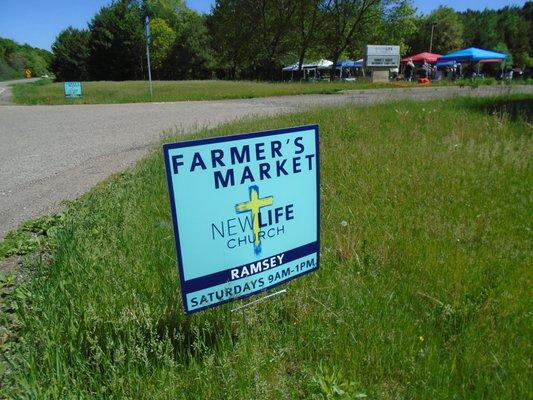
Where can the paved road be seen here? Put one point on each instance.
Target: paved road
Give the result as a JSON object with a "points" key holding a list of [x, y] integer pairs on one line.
{"points": [[53, 153], [5, 89]]}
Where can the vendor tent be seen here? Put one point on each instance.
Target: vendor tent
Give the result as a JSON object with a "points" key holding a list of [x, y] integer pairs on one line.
{"points": [[320, 64], [289, 68], [450, 63], [350, 64], [315, 66], [430, 58], [347, 64], [474, 55]]}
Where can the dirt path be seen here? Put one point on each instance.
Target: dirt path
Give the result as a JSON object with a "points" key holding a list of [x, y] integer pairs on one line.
{"points": [[6, 94]]}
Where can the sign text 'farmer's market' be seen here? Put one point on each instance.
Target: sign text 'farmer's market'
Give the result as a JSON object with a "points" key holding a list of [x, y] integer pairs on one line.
{"points": [[245, 210], [72, 89]]}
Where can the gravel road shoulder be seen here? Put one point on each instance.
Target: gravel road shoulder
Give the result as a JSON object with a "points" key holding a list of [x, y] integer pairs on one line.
{"points": [[54, 153]]}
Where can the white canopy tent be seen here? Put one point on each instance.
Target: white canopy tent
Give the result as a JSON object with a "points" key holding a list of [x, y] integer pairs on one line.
{"points": [[320, 64], [315, 66], [307, 68]]}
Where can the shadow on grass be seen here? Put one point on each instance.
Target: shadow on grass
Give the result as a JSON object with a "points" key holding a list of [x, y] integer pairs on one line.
{"points": [[513, 109]]}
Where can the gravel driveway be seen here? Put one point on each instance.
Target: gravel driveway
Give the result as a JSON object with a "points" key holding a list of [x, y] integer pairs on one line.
{"points": [[54, 153]]}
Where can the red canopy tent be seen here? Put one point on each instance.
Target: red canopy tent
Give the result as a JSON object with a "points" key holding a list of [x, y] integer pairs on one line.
{"points": [[430, 58]]}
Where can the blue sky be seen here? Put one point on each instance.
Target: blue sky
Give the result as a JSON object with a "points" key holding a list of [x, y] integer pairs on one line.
{"points": [[37, 22]]}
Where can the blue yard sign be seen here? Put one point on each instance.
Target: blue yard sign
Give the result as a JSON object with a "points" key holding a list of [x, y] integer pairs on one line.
{"points": [[245, 211], [72, 89]]}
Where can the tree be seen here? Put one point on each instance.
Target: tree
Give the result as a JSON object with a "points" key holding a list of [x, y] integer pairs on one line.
{"points": [[307, 20], [117, 42], [272, 21], [231, 37], [514, 33], [448, 32], [343, 20], [163, 40], [480, 28], [502, 48], [253, 37], [170, 11], [392, 23], [527, 14], [191, 56], [15, 58], [70, 55]]}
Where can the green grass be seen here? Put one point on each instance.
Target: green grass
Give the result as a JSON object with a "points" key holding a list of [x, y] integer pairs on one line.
{"points": [[31, 236], [424, 292], [137, 91], [46, 92]]}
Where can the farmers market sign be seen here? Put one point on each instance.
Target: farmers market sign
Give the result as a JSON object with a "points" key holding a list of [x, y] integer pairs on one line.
{"points": [[72, 89], [245, 211]]}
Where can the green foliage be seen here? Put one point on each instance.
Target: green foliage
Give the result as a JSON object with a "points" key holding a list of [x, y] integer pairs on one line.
{"points": [[331, 384], [71, 54], [113, 47], [253, 39], [481, 28], [43, 92], [231, 39], [448, 32], [343, 21], [163, 39], [506, 29], [423, 290], [502, 48], [15, 58], [168, 10], [527, 60], [191, 56], [31, 236], [502, 30], [391, 23], [399, 24], [117, 42]]}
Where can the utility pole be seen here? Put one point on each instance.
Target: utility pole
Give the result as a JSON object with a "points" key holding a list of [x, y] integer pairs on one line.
{"points": [[148, 39], [431, 40]]}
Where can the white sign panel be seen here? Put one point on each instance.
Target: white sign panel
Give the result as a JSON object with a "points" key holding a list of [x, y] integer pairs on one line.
{"points": [[382, 56], [379, 50], [383, 61]]}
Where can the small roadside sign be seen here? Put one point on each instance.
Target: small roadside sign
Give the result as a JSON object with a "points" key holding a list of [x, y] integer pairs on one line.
{"points": [[72, 89], [245, 212]]}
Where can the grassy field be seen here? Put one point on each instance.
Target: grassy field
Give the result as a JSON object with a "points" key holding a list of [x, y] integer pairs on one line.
{"points": [[424, 290], [45, 92]]}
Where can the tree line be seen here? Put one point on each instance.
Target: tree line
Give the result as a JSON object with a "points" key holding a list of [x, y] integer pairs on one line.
{"points": [[16, 58], [253, 39]]}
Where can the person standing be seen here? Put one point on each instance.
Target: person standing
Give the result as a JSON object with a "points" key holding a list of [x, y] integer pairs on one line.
{"points": [[410, 69]]}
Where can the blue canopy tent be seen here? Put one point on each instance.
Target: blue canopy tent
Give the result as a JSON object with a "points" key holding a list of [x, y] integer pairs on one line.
{"points": [[473, 55], [349, 64], [447, 63]]}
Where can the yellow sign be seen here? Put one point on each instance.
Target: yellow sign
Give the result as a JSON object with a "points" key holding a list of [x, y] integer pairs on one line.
{"points": [[27, 73], [254, 205]]}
